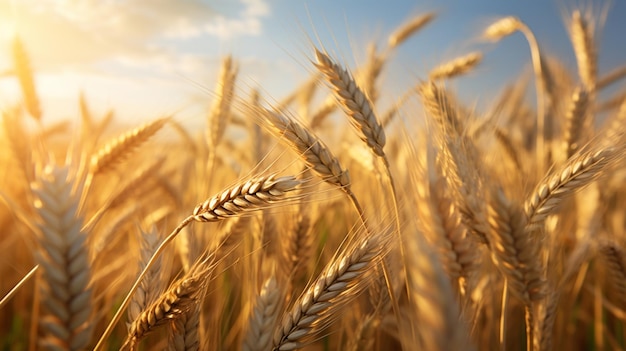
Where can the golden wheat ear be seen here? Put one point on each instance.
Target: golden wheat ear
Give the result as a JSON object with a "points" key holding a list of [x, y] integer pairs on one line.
{"points": [[24, 74], [181, 296], [251, 194], [338, 284]]}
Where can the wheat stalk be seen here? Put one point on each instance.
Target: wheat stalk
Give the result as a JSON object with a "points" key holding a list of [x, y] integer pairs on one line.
{"points": [[505, 27], [611, 77]]}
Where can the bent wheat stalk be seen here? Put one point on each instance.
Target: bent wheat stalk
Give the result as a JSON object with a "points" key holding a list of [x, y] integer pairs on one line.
{"points": [[505, 27]]}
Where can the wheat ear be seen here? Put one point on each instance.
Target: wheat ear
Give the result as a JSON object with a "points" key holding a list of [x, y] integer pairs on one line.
{"points": [[576, 173], [582, 35], [443, 228], [406, 30], [456, 67], [243, 197], [460, 164], [514, 251], [220, 112], [339, 283], [354, 102], [545, 324], [117, 149], [24, 74], [575, 121], [441, 108], [179, 298], [263, 318], [252, 194], [64, 261], [437, 319], [615, 260], [309, 147], [184, 331], [151, 286], [298, 245]]}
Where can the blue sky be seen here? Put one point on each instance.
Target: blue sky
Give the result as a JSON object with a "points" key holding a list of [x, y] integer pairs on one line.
{"points": [[145, 58]]}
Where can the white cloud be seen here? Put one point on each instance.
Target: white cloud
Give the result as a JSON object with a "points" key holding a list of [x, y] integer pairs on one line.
{"points": [[76, 34], [246, 22]]}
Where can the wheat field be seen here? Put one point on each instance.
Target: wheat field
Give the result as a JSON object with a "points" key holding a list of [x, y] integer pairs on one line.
{"points": [[333, 221]]}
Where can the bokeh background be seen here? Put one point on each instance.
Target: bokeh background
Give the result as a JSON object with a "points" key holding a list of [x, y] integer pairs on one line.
{"points": [[146, 58]]}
